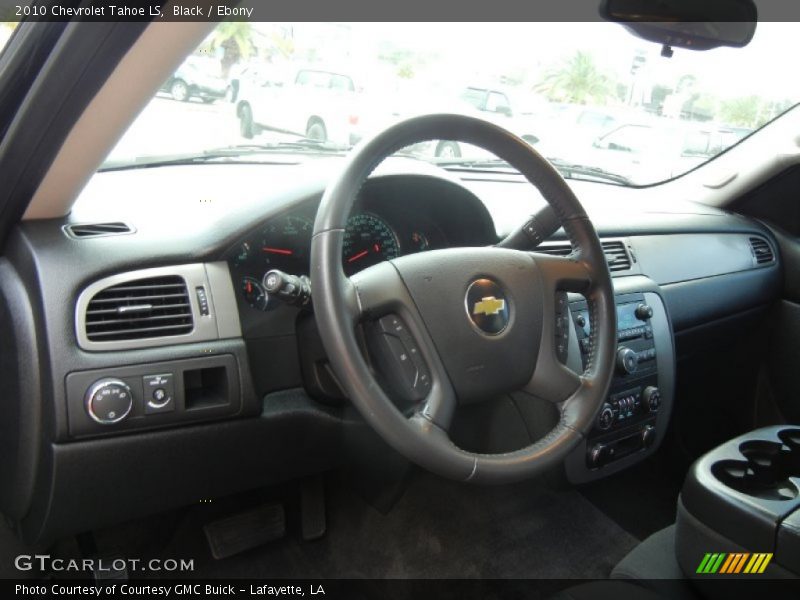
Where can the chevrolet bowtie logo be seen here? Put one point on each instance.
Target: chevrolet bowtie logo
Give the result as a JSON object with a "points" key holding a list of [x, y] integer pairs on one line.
{"points": [[489, 306]]}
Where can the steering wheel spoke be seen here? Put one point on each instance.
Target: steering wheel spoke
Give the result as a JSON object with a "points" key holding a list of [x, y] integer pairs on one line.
{"points": [[378, 291], [564, 273], [402, 344], [551, 380]]}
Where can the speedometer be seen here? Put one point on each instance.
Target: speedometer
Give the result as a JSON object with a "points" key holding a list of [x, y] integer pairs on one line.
{"points": [[368, 240]]}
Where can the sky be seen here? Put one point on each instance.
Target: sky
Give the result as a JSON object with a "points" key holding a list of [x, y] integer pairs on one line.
{"points": [[491, 48]]}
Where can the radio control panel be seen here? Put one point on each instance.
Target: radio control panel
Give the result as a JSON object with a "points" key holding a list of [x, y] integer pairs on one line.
{"points": [[629, 422]]}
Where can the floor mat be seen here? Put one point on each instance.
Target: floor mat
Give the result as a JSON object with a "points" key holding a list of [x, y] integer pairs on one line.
{"points": [[642, 500], [438, 529]]}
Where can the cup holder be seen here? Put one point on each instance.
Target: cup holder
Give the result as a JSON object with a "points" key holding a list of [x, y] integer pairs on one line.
{"points": [[766, 468], [791, 441]]}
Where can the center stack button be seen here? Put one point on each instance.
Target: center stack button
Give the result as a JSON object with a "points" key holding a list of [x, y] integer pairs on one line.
{"points": [[159, 393]]}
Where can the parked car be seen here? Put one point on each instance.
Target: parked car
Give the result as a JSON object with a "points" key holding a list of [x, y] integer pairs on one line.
{"points": [[560, 124], [485, 103], [317, 103], [655, 149], [492, 105], [196, 78]]}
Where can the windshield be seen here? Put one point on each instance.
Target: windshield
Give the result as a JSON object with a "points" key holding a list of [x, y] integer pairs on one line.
{"points": [[595, 100], [6, 30]]}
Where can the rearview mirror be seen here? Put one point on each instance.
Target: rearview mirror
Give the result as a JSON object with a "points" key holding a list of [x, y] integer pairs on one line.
{"points": [[686, 23]]}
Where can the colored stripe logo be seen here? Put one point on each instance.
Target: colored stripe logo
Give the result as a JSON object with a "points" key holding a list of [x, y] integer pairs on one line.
{"points": [[734, 563]]}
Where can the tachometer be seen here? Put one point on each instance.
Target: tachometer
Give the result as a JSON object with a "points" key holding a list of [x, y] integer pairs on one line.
{"points": [[368, 240], [284, 244]]}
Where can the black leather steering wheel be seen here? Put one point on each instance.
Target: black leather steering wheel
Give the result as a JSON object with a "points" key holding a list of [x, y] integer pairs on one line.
{"points": [[477, 339]]}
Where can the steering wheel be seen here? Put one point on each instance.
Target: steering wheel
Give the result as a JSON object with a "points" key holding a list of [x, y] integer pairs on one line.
{"points": [[480, 321]]}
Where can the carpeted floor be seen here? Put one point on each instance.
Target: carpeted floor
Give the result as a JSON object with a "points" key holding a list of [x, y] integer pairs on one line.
{"points": [[438, 529]]}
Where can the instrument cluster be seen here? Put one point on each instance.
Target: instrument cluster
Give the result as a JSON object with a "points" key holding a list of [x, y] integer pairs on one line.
{"points": [[284, 243]]}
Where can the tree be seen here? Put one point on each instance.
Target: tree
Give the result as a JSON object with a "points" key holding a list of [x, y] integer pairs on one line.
{"points": [[236, 40], [577, 80], [700, 107], [405, 71], [745, 111]]}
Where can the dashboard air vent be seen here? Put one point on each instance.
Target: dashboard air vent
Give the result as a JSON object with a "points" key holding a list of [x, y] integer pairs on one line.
{"points": [[762, 251], [616, 254], [88, 230], [140, 309]]}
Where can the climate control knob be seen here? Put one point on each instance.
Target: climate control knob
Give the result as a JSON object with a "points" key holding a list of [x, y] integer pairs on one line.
{"points": [[627, 361], [606, 417], [651, 398], [108, 401]]}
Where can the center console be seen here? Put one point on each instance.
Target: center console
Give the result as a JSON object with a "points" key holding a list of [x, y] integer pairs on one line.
{"points": [[632, 421], [739, 510]]}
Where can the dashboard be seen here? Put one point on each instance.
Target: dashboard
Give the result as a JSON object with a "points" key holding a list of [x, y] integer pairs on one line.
{"points": [[392, 218], [236, 398]]}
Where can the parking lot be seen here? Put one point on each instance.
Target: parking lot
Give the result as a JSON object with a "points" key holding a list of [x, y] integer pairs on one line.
{"points": [[167, 126]]}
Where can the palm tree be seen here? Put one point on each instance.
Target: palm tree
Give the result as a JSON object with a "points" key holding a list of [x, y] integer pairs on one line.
{"points": [[235, 39], [577, 80]]}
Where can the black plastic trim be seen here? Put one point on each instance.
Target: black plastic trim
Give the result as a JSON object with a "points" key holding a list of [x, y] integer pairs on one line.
{"points": [[78, 66], [177, 467], [698, 301], [20, 422]]}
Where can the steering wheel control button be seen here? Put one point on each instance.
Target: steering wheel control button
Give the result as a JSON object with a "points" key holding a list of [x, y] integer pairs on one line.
{"points": [[159, 393], [399, 360], [562, 305], [562, 327], [108, 401], [487, 307]]}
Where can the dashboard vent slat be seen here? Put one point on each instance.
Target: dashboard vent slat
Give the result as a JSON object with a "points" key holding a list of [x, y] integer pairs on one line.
{"points": [[762, 251], [87, 230], [616, 254], [140, 309]]}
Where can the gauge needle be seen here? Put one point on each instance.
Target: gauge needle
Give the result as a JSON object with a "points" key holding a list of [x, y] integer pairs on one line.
{"points": [[355, 257], [277, 251], [249, 288]]}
